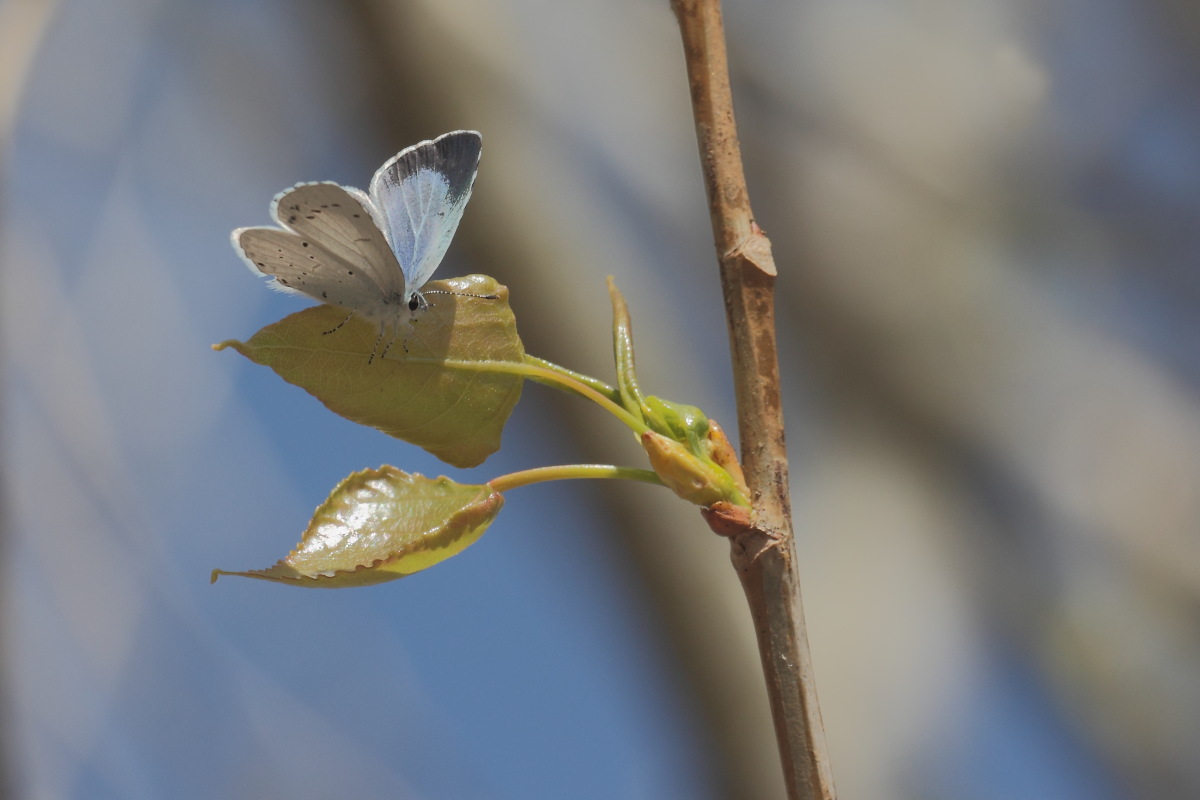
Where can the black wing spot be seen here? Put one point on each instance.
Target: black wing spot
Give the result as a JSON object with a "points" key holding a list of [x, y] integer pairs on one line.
{"points": [[304, 244]]}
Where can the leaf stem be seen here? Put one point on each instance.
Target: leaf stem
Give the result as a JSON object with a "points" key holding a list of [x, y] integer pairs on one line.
{"points": [[600, 386], [514, 480], [557, 376]]}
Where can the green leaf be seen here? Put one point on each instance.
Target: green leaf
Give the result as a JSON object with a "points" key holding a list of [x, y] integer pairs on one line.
{"points": [[379, 525], [423, 389], [627, 382], [681, 422]]}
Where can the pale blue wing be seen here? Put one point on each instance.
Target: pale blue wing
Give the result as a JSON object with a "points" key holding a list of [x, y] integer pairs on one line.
{"points": [[330, 248], [420, 195]]}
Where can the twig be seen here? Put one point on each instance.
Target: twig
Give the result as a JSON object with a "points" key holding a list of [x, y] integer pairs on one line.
{"points": [[763, 552]]}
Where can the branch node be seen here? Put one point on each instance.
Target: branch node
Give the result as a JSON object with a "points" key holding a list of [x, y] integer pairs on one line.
{"points": [[748, 542], [755, 250], [727, 519]]}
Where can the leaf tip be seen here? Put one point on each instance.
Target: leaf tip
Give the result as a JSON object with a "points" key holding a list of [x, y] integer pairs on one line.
{"points": [[234, 343]]}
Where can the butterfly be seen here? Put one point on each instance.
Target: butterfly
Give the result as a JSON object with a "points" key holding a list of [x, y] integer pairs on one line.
{"points": [[369, 252]]}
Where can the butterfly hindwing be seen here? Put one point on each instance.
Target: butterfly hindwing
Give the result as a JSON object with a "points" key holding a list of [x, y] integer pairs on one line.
{"points": [[303, 267], [420, 195]]}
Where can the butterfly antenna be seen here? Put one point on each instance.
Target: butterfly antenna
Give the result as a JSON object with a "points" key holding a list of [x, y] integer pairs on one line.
{"points": [[338, 326], [463, 294]]}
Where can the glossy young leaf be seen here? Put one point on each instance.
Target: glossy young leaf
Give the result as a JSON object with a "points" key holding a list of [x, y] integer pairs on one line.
{"points": [[382, 524], [419, 387]]}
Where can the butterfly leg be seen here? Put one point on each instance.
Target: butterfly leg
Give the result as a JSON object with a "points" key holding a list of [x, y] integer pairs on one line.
{"points": [[375, 349], [338, 326], [393, 328]]}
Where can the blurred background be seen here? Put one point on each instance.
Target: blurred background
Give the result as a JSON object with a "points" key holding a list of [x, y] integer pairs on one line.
{"points": [[985, 216]]}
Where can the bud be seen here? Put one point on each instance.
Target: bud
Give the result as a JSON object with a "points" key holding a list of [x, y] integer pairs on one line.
{"points": [[692, 478], [723, 455]]}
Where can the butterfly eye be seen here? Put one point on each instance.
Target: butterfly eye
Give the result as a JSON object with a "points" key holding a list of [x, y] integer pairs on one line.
{"points": [[414, 303]]}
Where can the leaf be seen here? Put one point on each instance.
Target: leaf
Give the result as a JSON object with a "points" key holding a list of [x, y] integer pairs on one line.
{"points": [[379, 525], [627, 382], [423, 389]]}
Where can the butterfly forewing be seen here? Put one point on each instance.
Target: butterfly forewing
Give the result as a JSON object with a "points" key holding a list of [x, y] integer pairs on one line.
{"points": [[420, 195], [342, 221]]}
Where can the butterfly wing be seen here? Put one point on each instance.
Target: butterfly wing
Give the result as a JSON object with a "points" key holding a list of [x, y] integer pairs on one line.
{"points": [[420, 195], [330, 248]]}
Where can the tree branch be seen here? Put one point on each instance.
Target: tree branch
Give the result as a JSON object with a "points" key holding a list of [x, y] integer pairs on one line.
{"points": [[762, 552]]}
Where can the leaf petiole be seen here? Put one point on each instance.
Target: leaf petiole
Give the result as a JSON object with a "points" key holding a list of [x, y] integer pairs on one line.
{"points": [[514, 480], [596, 391], [600, 386]]}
